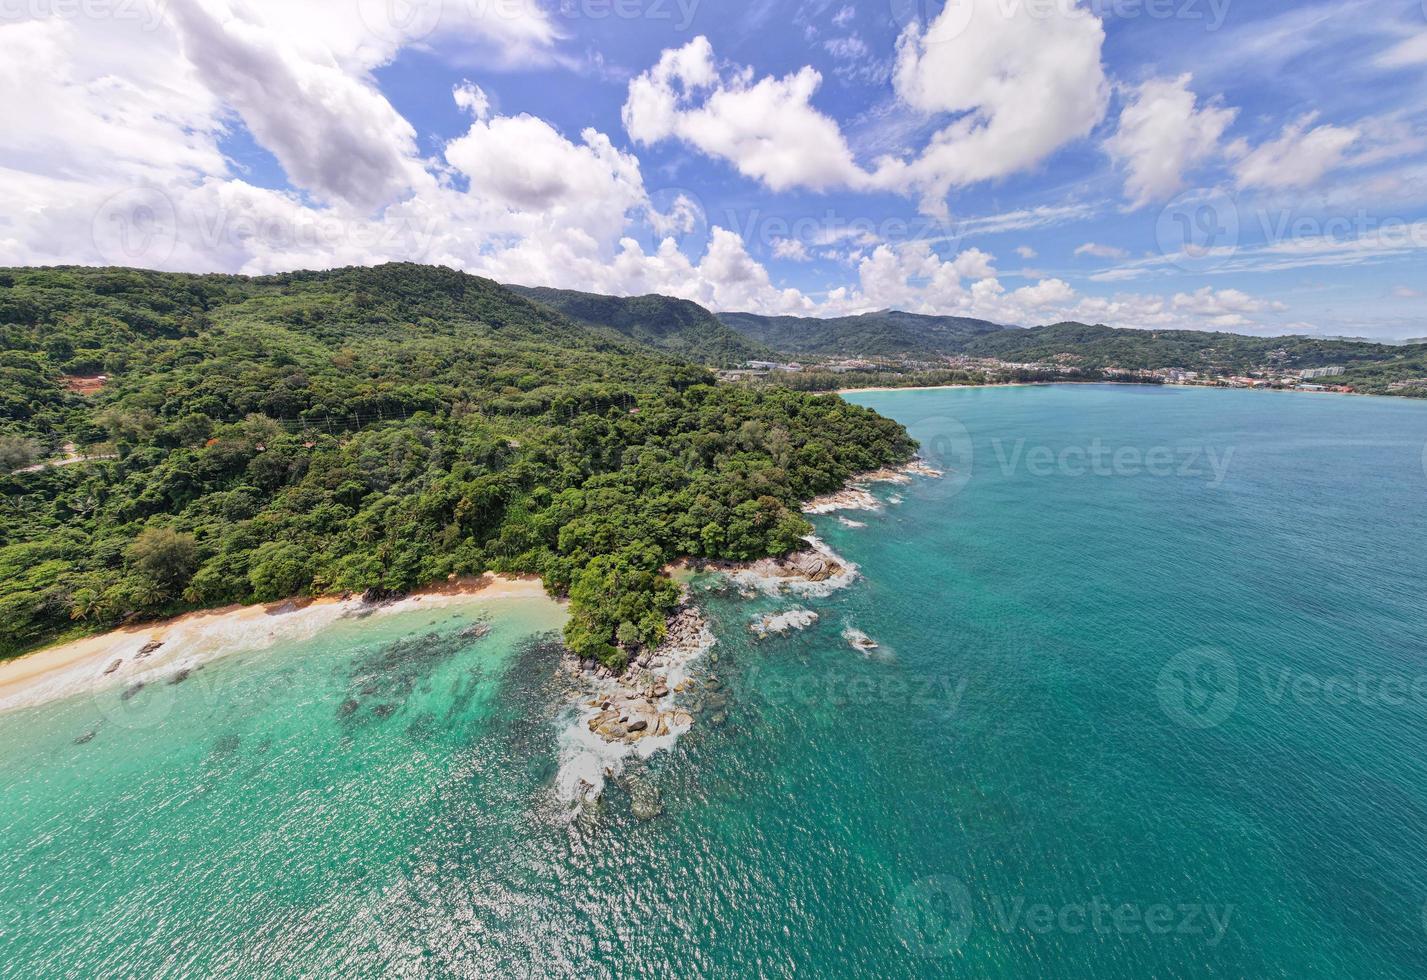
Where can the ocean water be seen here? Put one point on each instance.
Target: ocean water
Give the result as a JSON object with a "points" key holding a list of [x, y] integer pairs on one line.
{"points": [[1149, 699]]}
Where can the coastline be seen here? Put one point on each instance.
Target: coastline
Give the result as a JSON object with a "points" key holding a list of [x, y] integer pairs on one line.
{"points": [[1009, 384], [135, 654]]}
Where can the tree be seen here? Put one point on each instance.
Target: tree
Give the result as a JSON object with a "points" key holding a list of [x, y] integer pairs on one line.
{"points": [[166, 557], [280, 570]]}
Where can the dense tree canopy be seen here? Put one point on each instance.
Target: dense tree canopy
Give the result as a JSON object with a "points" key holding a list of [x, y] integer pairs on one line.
{"points": [[376, 428]]}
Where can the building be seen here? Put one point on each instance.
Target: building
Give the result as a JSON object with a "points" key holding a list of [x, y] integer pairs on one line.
{"points": [[1323, 372]]}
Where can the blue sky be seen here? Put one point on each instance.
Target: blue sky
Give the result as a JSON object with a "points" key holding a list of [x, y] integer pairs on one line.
{"points": [[1223, 164]]}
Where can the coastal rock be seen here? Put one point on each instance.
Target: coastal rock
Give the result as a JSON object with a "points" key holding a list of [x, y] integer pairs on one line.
{"points": [[644, 800], [859, 640], [114, 666], [623, 711], [147, 649], [781, 623]]}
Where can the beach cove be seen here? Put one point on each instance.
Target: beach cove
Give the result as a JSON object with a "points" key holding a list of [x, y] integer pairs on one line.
{"points": [[988, 717]]}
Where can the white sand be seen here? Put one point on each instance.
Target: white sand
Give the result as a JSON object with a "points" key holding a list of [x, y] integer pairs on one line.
{"points": [[81, 666]]}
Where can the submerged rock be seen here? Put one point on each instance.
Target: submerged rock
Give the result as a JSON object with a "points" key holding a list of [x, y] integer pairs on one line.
{"points": [[644, 800], [131, 690], [86, 738]]}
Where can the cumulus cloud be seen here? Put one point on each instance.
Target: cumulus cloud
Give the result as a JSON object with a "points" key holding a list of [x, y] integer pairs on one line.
{"points": [[1020, 85], [1299, 158], [473, 99], [1164, 133], [335, 135], [113, 154], [1023, 83], [768, 129]]}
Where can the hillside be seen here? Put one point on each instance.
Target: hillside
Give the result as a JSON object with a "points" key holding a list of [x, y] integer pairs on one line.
{"points": [[1101, 346], [1371, 367], [375, 429], [886, 334], [676, 326]]}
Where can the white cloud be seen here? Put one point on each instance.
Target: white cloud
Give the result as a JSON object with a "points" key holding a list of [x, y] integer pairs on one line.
{"points": [[1406, 292], [1162, 134], [1022, 81], [768, 129], [473, 99], [791, 249], [1407, 53], [1299, 158], [1101, 251], [335, 135], [1020, 86], [1026, 252], [1221, 303]]}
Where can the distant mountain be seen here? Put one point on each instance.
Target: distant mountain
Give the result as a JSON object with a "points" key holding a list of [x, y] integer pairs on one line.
{"points": [[676, 326], [889, 333], [1100, 346]]}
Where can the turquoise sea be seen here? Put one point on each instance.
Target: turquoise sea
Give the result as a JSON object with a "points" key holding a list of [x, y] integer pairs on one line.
{"points": [[1149, 700]]}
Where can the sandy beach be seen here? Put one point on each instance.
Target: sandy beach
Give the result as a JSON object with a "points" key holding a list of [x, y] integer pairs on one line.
{"points": [[135, 653], [1009, 384]]}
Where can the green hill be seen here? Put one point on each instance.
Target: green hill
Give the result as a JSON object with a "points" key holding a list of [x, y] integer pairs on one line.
{"points": [[886, 334], [677, 326], [375, 429]]}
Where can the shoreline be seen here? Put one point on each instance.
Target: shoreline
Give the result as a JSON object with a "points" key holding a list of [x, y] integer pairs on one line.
{"points": [[1127, 384], [141, 653], [1009, 384]]}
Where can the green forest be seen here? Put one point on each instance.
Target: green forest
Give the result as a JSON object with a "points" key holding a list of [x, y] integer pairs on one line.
{"points": [[375, 430]]}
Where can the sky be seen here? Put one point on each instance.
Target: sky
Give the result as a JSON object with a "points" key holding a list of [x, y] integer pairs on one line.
{"points": [[1246, 165]]}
